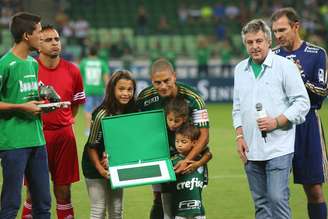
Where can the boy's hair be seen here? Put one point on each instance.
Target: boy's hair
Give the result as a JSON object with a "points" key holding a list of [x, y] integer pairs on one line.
{"points": [[289, 12], [178, 106], [189, 131], [93, 50], [160, 65], [21, 23]]}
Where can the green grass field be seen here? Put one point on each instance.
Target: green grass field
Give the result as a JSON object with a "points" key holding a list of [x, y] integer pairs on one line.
{"points": [[227, 195]]}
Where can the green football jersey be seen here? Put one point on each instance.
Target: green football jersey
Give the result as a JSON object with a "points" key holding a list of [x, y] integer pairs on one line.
{"points": [[18, 84], [93, 70], [95, 140], [187, 192], [149, 99], [203, 55]]}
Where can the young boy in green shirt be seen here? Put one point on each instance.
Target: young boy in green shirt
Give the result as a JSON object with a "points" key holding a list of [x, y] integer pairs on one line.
{"points": [[182, 199], [22, 150]]}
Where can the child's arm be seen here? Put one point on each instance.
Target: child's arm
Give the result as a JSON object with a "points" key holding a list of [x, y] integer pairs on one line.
{"points": [[93, 155], [193, 165]]}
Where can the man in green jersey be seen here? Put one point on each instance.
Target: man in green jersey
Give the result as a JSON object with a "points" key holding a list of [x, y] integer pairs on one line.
{"points": [[95, 74], [203, 54], [165, 87], [22, 150]]}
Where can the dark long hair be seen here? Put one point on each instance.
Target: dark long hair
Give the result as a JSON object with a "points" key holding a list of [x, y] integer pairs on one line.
{"points": [[110, 104]]}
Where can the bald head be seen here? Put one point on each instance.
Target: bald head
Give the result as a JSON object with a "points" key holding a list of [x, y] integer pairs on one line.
{"points": [[161, 65]]}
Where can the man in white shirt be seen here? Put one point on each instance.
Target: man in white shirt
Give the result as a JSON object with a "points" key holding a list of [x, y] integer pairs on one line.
{"points": [[266, 144]]}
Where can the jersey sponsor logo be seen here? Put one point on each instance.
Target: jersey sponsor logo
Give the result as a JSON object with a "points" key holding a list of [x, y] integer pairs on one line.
{"points": [[27, 86], [321, 75], [190, 184], [190, 204], [311, 49], [151, 100]]}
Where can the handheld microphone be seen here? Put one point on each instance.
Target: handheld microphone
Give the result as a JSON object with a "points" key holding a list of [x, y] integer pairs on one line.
{"points": [[261, 114]]}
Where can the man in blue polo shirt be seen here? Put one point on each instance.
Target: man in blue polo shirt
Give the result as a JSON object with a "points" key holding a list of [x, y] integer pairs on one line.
{"points": [[310, 159]]}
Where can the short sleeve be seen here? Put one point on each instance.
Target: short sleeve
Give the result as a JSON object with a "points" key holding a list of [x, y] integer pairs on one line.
{"points": [[78, 90], [105, 68]]}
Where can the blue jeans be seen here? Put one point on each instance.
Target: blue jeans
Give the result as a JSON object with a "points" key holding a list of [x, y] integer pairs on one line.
{"points": [[92, 102], [268, 182], [31, 162]]}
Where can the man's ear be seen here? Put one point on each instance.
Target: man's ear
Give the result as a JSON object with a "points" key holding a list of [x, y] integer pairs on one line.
{"points": [[26, 36], [296, 25], [174, 76]]}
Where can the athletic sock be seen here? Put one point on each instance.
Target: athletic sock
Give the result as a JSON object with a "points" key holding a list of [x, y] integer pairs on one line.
{"points": [[65, 210], [317, 210], [27, 210]]}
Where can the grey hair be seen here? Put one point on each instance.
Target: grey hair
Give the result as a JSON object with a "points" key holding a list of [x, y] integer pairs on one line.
{"points": [[255, 26]]}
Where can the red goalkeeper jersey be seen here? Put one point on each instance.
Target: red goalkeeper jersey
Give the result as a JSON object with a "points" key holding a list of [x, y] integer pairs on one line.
{"points": [[67, 81]]}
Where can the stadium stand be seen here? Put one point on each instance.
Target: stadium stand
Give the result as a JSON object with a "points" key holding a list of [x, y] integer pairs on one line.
{"points": [[113, 24]]}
